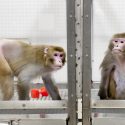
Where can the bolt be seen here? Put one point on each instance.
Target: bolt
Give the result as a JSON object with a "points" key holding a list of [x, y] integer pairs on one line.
{"points": [[87, 16], [24, 105], [70, 15]]}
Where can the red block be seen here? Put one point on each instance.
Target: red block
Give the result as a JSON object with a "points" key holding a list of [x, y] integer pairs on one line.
{"points": [[43, 91], [35, 93]]}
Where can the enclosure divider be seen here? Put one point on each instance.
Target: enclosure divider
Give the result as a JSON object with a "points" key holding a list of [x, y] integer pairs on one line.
{"points": [[79, 56], [71, 46], [87, 73]]}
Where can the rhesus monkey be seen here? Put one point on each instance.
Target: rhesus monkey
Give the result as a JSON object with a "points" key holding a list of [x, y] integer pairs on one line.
{"points": [[113, 69], [26, 62]]}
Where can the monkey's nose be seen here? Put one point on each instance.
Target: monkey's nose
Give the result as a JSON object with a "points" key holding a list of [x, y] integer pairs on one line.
{"points": [[60, 61]]}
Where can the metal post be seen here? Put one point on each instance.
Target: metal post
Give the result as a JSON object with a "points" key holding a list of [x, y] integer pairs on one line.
{"points": [[71, 62], [86, 61], [79, 55]]}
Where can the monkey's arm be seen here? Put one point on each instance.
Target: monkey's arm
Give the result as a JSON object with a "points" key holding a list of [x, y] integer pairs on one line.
{"points": [[105, 90], [51, 88], [107, 70]]}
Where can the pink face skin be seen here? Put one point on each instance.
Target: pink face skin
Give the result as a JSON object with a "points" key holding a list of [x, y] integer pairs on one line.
{"points": [[118, 50], [119, 45], [58, 57]]}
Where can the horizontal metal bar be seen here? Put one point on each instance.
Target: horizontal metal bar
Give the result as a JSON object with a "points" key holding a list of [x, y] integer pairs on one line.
{"points": [[48, 104], [108, 121], [109, 110], [32, 116], [39, 122], [94, 94], [33, 111], [108, 104]]}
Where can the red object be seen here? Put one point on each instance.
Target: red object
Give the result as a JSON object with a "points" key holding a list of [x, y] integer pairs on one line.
{"points": [[35, 93], [43, 91]]}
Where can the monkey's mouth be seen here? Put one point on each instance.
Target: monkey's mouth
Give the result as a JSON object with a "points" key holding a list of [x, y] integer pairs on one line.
{"points": [[57, 67], [117, 50]]}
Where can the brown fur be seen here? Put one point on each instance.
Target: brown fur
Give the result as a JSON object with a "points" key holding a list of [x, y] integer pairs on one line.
{"points": [[112, 87]]}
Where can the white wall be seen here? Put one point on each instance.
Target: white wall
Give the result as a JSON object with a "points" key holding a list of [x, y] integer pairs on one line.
{"points": [[32, 18], [108, 19]]}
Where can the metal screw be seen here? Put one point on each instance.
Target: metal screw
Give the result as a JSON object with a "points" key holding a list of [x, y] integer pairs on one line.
{"points": [[78, 4], [72, 95], [78, 23], [87, 16], [70, 15], [24, 105], [94, 104]]}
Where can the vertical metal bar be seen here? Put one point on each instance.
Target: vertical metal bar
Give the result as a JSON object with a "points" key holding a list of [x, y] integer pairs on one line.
{"points": [[86, 61], [71, 62], [79, 42], [78, 28]]}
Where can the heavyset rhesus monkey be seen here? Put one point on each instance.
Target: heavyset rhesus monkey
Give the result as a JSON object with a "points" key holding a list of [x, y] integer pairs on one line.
{"points": [[113, 70], [26, 62]]}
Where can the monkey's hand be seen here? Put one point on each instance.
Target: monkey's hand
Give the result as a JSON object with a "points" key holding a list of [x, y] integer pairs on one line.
{"points": [[102, 93]]}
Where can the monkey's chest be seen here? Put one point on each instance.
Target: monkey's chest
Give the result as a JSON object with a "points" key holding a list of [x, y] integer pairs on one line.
{"points": [[119, 78]]}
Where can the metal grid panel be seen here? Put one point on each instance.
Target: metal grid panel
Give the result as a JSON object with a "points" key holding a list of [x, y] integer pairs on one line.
{"points": [[31, 19], [105, 106]]}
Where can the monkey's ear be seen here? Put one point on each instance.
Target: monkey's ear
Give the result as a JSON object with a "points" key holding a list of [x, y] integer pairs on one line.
{"points": [[46, 50]]}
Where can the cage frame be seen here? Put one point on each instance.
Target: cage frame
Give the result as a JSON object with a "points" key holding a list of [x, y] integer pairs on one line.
{"points": [[78, 32]]}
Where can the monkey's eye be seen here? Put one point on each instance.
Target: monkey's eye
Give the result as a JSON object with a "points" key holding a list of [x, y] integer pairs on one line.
{"points": [[122, 41], [61, 55], [116, 41], [55, 54]]}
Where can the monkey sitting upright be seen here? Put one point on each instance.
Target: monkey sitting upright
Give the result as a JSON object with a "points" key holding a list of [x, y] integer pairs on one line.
{"points": [[113, 70], [26, 62]]}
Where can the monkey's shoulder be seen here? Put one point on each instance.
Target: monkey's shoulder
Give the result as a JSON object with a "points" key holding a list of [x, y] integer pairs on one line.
{"points": [[108, 60]]}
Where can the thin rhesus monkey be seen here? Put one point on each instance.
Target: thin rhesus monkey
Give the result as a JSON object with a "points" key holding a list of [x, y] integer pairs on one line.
{"points": [[113, 69], [26, 62]]}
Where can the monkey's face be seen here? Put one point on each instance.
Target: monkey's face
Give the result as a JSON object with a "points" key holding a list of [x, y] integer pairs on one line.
{"points": [[57, 60], [118, 46]]}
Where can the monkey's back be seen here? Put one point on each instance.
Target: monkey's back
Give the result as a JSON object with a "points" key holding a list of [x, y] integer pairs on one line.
{"points": [[14, 52]]}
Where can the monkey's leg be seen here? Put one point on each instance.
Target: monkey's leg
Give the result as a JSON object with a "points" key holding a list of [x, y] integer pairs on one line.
{"points": [[112, 87], [6, 79], [6, 87], [51, 88], [23, 91]]}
